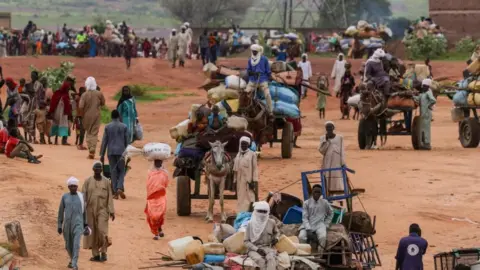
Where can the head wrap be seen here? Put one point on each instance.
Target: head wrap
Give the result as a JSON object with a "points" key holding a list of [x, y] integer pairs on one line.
{"points": [[243, 139], [96, 162], [187, 24], [62, 94], [174, 30], [338, 56], [305, 55], [329, 123], [91, 84], [72, 181], [184, 27], [258, 222], [9, 80], [255, 59], [427, 82]]}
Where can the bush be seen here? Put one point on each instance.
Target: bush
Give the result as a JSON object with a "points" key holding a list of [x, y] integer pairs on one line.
{"points": [[429, 46], [466, 45]]}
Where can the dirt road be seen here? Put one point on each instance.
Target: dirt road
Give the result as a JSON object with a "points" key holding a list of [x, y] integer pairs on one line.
{"points": [[402, 186]]}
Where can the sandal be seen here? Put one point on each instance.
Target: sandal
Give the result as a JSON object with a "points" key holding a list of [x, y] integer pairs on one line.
{"points": [[70, 265], [122, 194], [96, 259], [34, 161]]}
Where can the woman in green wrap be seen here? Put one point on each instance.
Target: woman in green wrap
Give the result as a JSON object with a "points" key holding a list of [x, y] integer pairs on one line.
{"points": [[128, 112]]}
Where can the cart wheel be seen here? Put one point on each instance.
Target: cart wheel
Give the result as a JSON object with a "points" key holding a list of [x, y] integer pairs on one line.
{"points": [[416, 133], [470, 133], [184, 202], [365, 138], [287, 140]]}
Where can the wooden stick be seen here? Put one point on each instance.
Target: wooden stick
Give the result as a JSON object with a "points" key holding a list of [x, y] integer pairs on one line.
{"points": [[15, 237], [163, 265], [316, 89]]}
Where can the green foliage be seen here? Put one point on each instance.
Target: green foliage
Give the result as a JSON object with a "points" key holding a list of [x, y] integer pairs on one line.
{"points": [[466, 45], [55, 76], [106, 115], [429, 46], [146, 93], [99, 24]]}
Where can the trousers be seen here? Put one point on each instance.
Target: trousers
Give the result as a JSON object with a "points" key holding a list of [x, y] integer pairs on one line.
{"points": [[266, 92], [117, 170], [321, 234]]}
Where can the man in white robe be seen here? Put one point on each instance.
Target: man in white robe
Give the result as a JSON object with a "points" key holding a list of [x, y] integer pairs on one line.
{"points": [[306, 71], [183, 39], [190, 38], [332, 149], [173, 47], [245, 175], [337, 72]]}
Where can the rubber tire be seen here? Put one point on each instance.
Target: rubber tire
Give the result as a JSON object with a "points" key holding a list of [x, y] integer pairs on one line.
{"points": [[184, 202], [416, 133], [474, 128], [287, 140], [362, 134]]}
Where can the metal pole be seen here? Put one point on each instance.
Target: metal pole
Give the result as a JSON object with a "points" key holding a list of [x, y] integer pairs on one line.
{"points": [[291, 15], [344, 14], [285, 7]]}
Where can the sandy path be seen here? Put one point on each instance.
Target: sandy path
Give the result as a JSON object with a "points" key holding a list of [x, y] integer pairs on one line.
{"points": [[403, 186]]}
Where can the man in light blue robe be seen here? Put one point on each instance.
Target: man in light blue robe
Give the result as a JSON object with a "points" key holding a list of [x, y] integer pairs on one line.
{"points": [[72, 221], [426, 100]]}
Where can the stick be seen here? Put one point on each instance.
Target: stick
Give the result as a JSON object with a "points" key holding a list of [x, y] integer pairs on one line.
{"points": [[163, 265], [15, 237], [316, 89]]}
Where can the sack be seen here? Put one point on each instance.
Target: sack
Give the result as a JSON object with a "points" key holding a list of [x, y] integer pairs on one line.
{"points": [[362, 25], [474, 67], [209, 69], [180, 130], [278, 66], [235, 82], [138, 132], [281, 108], [354, 100], [422, 72], [237, 123], [463, 84], [474, 86], [351, 30], [221, 92], [460, 98], [473, 99], [153, 151], [399, 102], [279, 92], [359, 222], [228, 106]]}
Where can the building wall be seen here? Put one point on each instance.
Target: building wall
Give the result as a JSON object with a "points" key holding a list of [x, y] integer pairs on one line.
{"points": [[5, 20], [459, 18]]}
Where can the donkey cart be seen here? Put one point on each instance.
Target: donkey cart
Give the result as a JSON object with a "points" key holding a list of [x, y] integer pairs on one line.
{"points": [[468, 125], [378, 121], [192, 168]]}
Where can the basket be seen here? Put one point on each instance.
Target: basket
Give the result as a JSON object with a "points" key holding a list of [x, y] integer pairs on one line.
{"points": [[449, 260]]}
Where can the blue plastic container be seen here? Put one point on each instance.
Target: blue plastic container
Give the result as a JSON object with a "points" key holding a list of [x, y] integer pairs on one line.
{"points": [[293, 215], [214, 258]]}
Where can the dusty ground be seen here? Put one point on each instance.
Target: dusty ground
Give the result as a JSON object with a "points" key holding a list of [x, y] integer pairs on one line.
{"points": [[403, 186]]}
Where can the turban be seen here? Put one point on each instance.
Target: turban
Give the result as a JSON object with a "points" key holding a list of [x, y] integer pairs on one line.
{"points": [[427, 82], [97, 163], [72, 181], [256, 47], [329, 123], [91, 84]]}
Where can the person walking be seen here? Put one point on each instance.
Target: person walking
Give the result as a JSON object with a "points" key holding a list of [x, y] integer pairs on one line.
{"points": [[90, 106], [411, 250], [72, 221], [156, 207], [337, 73], [115, 141], [333, 152], [99, 207], [128, 112], [61, 113], [306, 72], [203, 41], [173, 48]]}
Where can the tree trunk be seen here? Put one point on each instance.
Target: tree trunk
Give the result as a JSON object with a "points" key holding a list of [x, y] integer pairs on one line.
{"points": [[15, 237]]}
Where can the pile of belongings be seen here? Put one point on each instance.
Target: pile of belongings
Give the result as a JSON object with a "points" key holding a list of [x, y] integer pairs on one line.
{"points": [[365, 31], [468, 93], [6, 259], [275, 42], [423, 27], [114, 34]]}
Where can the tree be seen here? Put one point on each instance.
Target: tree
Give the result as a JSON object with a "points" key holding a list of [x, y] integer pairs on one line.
{"points": [[342, 13], [204, 13]]}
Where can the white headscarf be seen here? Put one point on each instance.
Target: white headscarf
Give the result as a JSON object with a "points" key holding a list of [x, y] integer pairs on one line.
{"points": [[243, 139], [187, 24], [91, 84], [255, 59], [427, 82], [379, 53], [72, 181], [329, 123], [96, 162], [305, 55], [258, 222]]}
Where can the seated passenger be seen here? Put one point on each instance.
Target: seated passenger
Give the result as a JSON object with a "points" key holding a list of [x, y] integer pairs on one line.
{"points": [[215, 121]]}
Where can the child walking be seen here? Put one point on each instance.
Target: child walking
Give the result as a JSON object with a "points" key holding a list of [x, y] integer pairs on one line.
{"points": [[156, 206], [78, 123], [321, 98], [41, 122]]}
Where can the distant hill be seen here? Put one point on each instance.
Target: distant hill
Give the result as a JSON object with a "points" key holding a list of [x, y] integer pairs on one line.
{"points": [[141, 13]]}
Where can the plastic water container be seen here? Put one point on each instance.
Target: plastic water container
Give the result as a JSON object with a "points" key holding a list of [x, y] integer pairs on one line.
{"points": [[194, 252], [303, 249], [214, 248], [293, 215], [286, 245], [176, 248], [214, 259], [235, 243], [475, 266]]}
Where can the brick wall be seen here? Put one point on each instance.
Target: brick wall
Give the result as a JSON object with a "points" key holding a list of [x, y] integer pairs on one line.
{"points": [[437, 5]]}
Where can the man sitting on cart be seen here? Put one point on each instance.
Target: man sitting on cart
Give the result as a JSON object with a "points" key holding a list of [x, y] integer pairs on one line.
{"points": [[317, 216], [259, 74], [375, 72]]}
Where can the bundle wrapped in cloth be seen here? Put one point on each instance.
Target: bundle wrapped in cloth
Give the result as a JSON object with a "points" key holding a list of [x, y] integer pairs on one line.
{"points": [[180, 130], [221, 92], [151, 151]]}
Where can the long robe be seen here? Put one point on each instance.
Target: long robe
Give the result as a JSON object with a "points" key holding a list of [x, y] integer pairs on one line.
{"points": [[333, 157], [156, 206], [172, 48], [183, 39], [40, 93], [99, 206], [90, 105], [245, 171], [264, 242], [128, 115], [14, 94], [72, 216], [427, 100], [28, 113], [60, 122], [337, 73]]}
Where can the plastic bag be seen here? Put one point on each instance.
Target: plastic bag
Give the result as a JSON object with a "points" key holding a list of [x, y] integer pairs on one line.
{"points": [[138, 132], [235, 82]]}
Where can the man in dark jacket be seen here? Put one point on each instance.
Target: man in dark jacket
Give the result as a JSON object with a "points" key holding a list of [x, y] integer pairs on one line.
{"points": [[411, 250], [114, 142]]}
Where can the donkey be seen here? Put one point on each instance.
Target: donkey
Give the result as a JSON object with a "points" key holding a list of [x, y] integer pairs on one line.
{"points": [[217, 167]]}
